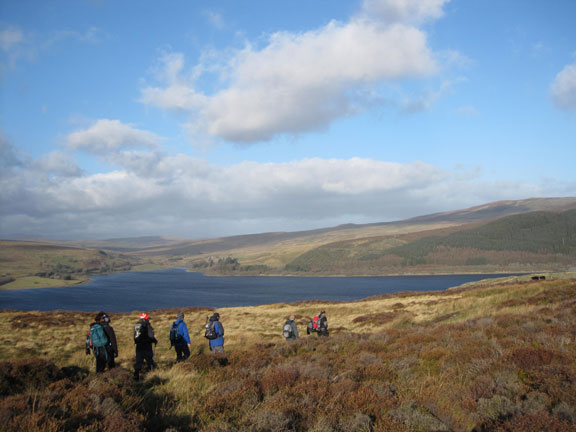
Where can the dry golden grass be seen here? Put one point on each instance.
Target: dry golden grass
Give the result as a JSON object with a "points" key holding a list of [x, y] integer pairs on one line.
{"points": [[495, 356]]}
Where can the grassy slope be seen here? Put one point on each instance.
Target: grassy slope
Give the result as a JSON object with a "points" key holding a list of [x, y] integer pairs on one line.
{"points": [[39, 265], [516, 243], [496, 354]]}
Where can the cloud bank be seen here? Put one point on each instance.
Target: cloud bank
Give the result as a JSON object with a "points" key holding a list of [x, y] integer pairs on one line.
{"points": [[157, 194]]}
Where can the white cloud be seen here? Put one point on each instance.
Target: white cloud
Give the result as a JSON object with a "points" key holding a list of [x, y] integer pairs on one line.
{"points": [[299, 81], [106, 136], [58, 163], [178, 195], [10, 37], [215, 19], [405, 11], [563, 89]]}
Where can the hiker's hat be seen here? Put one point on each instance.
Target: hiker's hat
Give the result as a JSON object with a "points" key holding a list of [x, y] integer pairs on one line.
{"points": [[180, 315], [144, 315]]}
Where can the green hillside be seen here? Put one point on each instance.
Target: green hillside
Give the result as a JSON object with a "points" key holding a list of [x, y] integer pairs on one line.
{"points": [[514, 243], [538, 233]]}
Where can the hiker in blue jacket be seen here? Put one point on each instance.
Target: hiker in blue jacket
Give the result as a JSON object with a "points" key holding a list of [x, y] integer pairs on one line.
{"points": [[181, 342], [217, 344]]}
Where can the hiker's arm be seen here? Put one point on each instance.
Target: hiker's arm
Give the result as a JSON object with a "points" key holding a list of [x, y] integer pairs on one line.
{"points": [[185, 333]]}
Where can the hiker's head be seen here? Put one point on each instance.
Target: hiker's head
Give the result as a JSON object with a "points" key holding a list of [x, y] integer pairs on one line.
{"points": [[216, 315], [292, 317], [99, 316], [144, 316], [180, 315], [105, 318]]}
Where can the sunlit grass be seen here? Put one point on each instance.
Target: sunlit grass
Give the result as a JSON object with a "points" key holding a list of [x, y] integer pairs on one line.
{"points": [[494, 356]]}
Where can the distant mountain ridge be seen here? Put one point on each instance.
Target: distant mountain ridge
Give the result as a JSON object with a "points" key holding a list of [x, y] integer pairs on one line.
{"points": [[480, 213]]}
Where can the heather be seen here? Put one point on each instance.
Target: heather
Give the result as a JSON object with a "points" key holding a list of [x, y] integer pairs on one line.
{"points": [[497, 355]]}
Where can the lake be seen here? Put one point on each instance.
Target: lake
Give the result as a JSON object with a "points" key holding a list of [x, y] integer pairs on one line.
{"points": [[172, 288]]}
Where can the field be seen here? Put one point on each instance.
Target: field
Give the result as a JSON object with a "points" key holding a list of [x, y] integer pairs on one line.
{"points": [[493, 355]]}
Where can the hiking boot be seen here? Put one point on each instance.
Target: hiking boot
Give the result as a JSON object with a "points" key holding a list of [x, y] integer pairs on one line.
{"points": [[136, 375]]}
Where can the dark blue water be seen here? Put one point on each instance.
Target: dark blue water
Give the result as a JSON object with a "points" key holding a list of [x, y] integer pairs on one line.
{"points": [[126, 292]]}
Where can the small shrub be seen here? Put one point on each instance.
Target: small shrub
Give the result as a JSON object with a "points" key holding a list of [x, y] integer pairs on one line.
{"points": [[534, 423], [34, 373], [531, 358], [496, 408]]}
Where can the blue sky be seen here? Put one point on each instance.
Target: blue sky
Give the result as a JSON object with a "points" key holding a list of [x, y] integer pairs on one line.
{"points": [[213, 118]]}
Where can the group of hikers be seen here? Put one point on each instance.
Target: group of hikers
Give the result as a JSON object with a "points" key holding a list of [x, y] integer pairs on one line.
{"points": [[101, 339]]}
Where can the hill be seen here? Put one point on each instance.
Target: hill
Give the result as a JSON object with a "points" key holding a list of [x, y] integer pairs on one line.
{"points": [[401, 247], [498, 355], [513, 243], [30, 264], [286, 253]]}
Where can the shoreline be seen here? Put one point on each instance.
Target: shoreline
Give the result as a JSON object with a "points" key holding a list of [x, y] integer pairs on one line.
{"points": [[75, 283]]}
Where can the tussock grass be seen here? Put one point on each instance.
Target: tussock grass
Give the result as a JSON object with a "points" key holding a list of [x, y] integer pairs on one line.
{"points": [[494, 356]]}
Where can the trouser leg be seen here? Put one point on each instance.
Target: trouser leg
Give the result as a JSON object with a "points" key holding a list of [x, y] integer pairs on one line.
{"points": [[100, 354]]}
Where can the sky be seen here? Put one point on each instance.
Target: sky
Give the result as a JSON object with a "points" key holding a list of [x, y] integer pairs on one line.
{"points": [[200, 119]]}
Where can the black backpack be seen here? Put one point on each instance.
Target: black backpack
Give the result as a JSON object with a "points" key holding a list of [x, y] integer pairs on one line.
{"points": [[210, 332], [141, 333], [175, 336]]}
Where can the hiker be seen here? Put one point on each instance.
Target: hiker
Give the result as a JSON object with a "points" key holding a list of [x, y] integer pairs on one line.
{"points": [[290, 329], [144, 338], [319, 325], [215, 333], [102, 340], [112, 347], [322, 324], [180, 339]]}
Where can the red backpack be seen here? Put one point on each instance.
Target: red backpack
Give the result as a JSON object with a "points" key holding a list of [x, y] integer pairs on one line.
{"points": [[316, 322]]}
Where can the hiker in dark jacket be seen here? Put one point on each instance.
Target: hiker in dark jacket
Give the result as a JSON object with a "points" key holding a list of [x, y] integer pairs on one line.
{"points": [[217, 345], [182, 345], [144, 338], [322, 327], [97, 341], [112, 347], [290, 334]]}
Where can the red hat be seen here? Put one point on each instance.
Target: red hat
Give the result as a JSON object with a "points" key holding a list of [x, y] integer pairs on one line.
{"points": [[144, 315]]}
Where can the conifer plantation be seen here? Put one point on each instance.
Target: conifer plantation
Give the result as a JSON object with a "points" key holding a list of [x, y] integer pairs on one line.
{"points": [[497, 355]]}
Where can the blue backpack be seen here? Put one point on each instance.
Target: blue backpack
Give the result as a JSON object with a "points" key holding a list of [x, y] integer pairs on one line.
{"points": [[98, 337]]}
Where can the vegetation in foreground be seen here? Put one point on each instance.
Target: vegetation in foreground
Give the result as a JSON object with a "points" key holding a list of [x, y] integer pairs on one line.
{"points": [[498, 355]]}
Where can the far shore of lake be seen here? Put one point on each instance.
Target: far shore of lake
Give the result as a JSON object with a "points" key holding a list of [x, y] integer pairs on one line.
{"points": [[35, 282]]}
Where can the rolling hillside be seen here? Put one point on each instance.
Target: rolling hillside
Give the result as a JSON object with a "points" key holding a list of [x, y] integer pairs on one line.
{"points": [[525, 242], [450, 242], [27, 264], [280, 252]]}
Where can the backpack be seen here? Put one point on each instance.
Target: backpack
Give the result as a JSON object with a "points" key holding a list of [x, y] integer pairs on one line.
{"points": [[140, 332], [316, 323], [210, 332], [310, 327], [98, 337], [175, 336], [287, 330]]}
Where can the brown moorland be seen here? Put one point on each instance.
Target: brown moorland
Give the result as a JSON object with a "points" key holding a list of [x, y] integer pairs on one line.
{"points": [[498, 355]]}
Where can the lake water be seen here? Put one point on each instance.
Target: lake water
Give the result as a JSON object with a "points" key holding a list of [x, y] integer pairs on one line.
{"points": [[126, 292]]}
